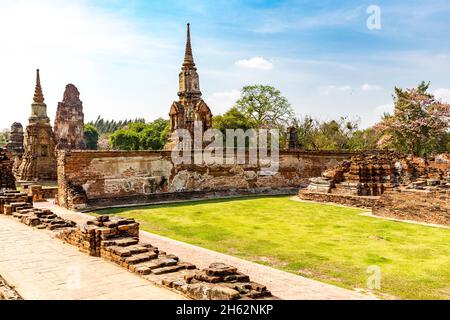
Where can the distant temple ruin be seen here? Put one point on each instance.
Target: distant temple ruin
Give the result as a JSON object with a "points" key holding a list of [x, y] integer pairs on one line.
{"points": [[39, 160], [15, 143], [69, 121], [7, 180], [15, 146], [190, 107]]}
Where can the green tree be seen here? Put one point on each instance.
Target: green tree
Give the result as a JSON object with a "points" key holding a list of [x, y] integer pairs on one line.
{"points": [[155, 134], [264, 106], [90, 136], [366, 139], [141, 136], [124, 139], [307, 130], [4, 137], [326, 135], [110, 126], [419, 124], [232, 119]]}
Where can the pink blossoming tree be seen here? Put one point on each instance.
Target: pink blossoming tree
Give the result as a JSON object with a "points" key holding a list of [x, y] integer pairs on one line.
{"points": [[419, 125]]}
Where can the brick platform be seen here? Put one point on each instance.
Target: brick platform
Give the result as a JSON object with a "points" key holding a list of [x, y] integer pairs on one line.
{"points": [[430, 206], [343, 199]]}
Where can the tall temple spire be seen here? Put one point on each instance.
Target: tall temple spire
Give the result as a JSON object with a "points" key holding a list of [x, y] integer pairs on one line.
{"points": [[38, 95], [188, 57]]}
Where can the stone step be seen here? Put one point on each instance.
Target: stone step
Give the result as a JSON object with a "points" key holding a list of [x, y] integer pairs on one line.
{"points": [[149, 246], [125, 242], [120, 251], [169, 269], [175, 268], [135, 249], [145, 268], [138, 258]]}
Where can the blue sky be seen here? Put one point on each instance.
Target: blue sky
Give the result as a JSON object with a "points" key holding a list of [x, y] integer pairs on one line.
{"points": [[124, 56]]}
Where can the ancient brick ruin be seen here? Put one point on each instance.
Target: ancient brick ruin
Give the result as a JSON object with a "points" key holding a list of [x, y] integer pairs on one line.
{"points": [[292, 138], [117, 239], [390, 183], [93, 179], [15, 145], [39, 159], [190, 107], [430, 205], [7, 179], [69, 121]]}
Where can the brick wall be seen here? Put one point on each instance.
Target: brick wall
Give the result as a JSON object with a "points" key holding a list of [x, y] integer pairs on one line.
{"points": [[419, 205], [343, 199], [100, 178]]}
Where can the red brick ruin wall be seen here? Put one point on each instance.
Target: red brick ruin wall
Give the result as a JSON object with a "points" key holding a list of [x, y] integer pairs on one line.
{"points": [[88, 179], [391, 184], [418, 205]]}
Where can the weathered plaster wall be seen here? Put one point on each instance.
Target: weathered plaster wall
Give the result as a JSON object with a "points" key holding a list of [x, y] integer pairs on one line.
{"points": [[99, 178]]}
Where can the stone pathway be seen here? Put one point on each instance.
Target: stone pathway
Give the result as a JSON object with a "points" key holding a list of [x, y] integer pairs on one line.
{"points": [[40, 266], [282, 284]]}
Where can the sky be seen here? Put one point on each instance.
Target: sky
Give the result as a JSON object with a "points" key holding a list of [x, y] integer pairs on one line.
{"points": [[325, 56]]}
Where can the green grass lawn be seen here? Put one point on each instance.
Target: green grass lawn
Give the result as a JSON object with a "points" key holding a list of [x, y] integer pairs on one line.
{"points": [[324, 242]]}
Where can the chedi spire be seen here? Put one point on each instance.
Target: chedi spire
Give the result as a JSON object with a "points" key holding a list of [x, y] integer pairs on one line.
{"points": [[38, 95], [188, 57]]}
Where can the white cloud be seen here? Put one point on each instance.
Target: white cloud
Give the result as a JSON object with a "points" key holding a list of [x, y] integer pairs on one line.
{"points": [[255, 63], [370, 87], [222, 101], [381, 109], [335, 89], [442, 94]]}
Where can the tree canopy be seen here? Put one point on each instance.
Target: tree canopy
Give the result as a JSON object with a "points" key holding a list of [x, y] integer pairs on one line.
{"points": [[4, 137], [341, 134], [90, 137], [232, 119], [109, 126], [141, 136], [419, 125], [264, 106]]}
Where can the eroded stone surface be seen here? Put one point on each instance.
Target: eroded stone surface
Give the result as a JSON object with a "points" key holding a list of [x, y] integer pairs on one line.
{"points": [[190, 107], [390, 183], [69, 120], [430, 205], [7, 179], [39, 159], [15, 146]]}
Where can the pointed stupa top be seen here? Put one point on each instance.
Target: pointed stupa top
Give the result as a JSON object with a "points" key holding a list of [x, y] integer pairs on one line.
{"points": [[38, 95], [188, 57]]}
